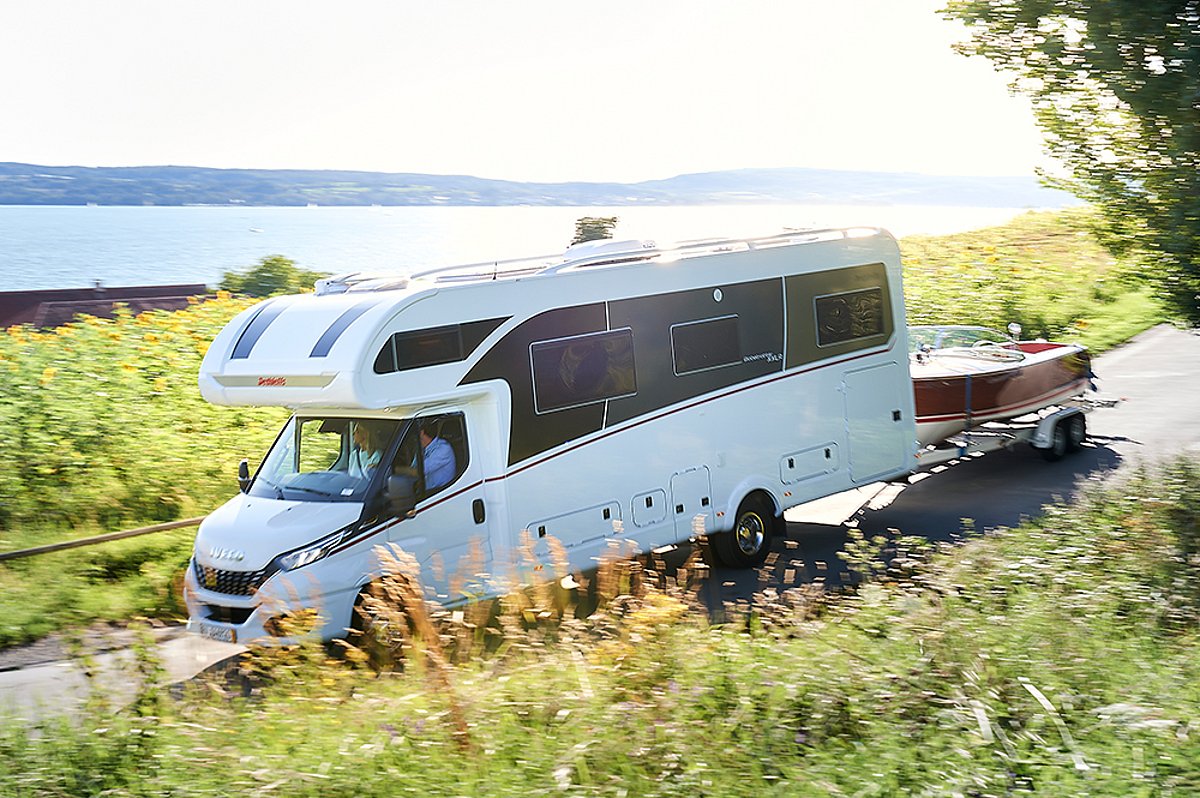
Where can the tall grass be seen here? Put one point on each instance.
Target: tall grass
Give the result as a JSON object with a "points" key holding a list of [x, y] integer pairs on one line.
{"points": [[1044, 270], [1055, 659]]}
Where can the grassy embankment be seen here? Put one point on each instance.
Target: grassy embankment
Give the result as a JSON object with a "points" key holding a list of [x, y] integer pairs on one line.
{"points": [[106, 429], [1054, 659]]}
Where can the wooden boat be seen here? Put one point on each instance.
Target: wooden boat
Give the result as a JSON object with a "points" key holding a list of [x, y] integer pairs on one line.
{"points": [[965, 376]]}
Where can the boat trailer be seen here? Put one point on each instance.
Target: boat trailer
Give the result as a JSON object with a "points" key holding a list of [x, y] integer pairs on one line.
{"points": [[1054, 431]]}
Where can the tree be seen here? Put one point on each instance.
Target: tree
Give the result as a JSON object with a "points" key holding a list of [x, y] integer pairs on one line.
{"points": [[272, 275], [594, 228], [1115, 85]]}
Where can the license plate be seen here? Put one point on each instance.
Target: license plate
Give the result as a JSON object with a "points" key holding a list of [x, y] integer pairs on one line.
{"points": [[222, 633]]}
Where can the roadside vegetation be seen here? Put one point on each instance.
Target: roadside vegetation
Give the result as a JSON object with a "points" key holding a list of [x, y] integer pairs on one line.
{"points": [[1044, 270], [1056, 659], [107, 430]]}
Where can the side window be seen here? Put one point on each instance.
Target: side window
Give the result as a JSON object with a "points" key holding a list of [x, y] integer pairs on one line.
{"points": [[433, 454], [849, 316], [703, 345], [410, 350], [582, 370], [323, 445]]}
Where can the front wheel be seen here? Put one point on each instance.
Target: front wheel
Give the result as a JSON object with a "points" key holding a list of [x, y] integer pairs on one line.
{"points": [[747, 544]]}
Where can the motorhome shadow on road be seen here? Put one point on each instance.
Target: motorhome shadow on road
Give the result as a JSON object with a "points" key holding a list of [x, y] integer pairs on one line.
{"points": [[620, 393]]}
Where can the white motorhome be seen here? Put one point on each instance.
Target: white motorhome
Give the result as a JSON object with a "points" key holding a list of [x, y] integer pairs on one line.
{"points": [[620, 392]]}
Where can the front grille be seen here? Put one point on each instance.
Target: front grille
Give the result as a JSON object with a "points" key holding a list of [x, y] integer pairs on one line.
{"points": [[233, 615], [231, 583]]}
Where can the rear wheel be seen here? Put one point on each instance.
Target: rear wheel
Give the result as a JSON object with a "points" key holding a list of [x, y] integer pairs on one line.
{"points": [[747, 544], [1059, 443], [1076, 432]]}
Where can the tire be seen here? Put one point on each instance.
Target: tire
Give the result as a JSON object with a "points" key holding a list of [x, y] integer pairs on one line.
{"points": [[1059, 443], [749, 542], [1076, 432]]}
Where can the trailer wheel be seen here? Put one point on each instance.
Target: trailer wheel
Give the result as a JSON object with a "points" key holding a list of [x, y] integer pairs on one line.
{"points": [[1076, 432], [1059, 443], [747, 544]]}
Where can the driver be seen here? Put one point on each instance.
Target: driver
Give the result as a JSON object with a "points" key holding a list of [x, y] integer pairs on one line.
{"points": [[366, 452]]}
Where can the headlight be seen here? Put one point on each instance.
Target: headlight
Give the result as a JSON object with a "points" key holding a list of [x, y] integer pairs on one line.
{"points": [[312, 552]]}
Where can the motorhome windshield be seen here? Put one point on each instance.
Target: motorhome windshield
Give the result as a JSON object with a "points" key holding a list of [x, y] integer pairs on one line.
{"points": [[324, 459]]}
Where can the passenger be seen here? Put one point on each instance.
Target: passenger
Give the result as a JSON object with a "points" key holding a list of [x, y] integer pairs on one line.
{"points": [[366, 452], [437, 457]]}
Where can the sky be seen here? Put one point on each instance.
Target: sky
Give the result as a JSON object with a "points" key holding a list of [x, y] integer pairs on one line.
{"points": [[544, 90]]}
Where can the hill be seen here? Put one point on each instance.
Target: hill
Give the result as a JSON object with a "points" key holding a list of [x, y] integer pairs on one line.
{"points": [[30, 184]]}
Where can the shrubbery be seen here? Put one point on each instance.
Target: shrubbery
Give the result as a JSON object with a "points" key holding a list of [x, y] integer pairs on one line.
{"points": [[103, 423], [272, 275], [1054, 659]]}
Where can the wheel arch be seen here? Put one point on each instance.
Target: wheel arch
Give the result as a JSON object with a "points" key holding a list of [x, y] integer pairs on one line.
{"points": [[743, 490]]}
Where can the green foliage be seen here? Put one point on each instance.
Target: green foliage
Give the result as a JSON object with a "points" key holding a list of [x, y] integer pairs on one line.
{"points": [[1114, 86], [272, 275], [1046, 271], [594, 228], [104, 424], [1057, 658]]}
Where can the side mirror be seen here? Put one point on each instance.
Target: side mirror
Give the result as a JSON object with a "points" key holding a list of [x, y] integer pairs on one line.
{"points": [[244, 475], [401, 494], [1014, 330]]}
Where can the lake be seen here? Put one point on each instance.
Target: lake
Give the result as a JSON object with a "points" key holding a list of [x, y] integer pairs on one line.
{"points": [[72, 247]]}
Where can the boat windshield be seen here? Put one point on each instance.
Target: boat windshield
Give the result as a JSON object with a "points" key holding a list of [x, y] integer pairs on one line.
{"points": [[944, 337], [318, 459]]}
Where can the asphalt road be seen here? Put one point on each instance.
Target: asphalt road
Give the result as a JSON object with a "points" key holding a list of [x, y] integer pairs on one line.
{"points": [[1157, 375]]}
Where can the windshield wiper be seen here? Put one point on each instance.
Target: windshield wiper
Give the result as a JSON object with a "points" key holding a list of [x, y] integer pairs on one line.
{"points": [[317, 491], [270, 484]]}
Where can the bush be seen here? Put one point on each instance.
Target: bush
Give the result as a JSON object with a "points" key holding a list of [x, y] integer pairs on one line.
{"points": [[272, 275], [104, 423]]}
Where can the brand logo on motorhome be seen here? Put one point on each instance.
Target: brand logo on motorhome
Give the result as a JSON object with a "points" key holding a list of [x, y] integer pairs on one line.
{"points": [[273, 382], [226, 554]]}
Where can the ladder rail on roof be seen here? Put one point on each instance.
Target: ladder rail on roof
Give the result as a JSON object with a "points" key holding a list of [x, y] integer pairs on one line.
{"points": [[488, 267], [546, 264], [704, 246]]}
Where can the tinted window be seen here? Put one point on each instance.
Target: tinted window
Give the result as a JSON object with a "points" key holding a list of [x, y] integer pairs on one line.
{"points": [[410, 350], [433, 345], [849, 316], [704, 345], [570, 372]]}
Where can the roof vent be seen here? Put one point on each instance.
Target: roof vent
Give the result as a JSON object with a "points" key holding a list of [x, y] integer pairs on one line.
{"points": [[604, 246]]}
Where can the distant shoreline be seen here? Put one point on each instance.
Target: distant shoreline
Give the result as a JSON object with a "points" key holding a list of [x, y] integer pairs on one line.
{"points": [[32, 185]]}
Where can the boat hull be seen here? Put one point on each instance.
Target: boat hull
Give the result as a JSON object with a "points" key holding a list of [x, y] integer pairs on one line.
{"points": [[952, 394]]}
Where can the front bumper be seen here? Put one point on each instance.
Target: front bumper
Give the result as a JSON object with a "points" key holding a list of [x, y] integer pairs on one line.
{"points": [[256, 618]]}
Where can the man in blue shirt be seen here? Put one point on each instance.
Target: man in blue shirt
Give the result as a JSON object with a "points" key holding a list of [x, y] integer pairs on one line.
{"points": [[438, 457]]}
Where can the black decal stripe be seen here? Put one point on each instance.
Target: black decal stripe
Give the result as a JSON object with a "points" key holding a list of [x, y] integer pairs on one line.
{"points": [[801, 292], [327, 339], [257, 326], [757, 310], [689, 406], [509, 360]]}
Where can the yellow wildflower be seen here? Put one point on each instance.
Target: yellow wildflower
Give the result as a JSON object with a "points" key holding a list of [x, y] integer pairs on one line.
{"points": [[129, 368], [224, 295], [151, 338], [48, 375], [160, 384]]}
